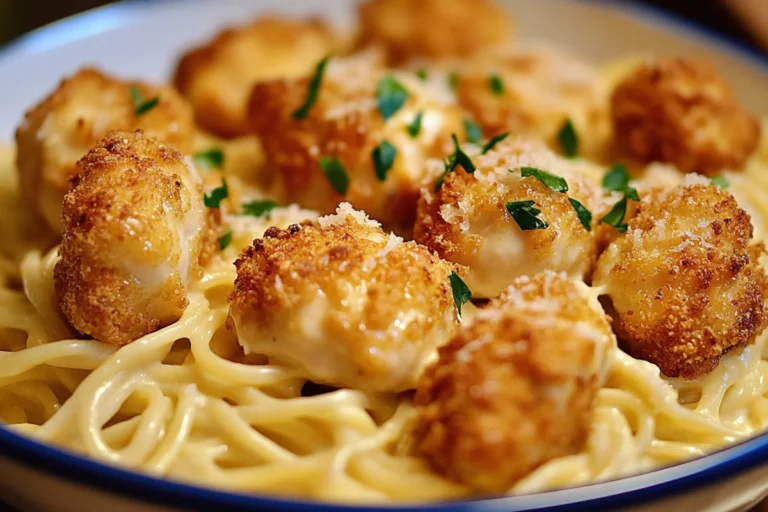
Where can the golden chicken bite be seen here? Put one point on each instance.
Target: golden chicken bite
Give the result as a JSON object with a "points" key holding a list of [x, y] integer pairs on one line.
{"points": [[684, 283], [345, 124], [134, 228], [515, 387], [432, 29], [467, 220], [680, 111], [217, 77], [348, 304], [58, 131]]}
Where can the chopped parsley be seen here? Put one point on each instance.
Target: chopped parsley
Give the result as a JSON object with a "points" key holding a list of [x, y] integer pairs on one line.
{"points": [[492, 143], [585, 216], [631, 193], [457, 158], [453, 80], [414, 127], [312, 90], [383, 157], [217, 195], [259, 208], [615, 217], [496, 84], [209, 159], [461, 292], [568, 139], [526, 215], [421, 73], [617, 178], [552, 181], [336, 173], [474, 132], [225, 239], [140, 105], [720, 182], [390, 96]]}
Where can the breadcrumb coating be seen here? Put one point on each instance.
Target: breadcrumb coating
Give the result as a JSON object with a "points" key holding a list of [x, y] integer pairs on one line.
{"points": [[515, 387], [684, 283], [466, 220], [217, 77], [680, 111], [432, 29], [350, 305], [59, 130], [134, 226], [345, 123]]}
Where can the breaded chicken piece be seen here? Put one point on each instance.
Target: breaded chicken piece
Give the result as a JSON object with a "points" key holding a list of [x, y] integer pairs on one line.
{"points": [[432, 29], [217, 77], [134, 225], [680, 111], [466, 221], [515, 387], [345, 123], [350, 305], [533, 92], [684, 282], [58, 131]]}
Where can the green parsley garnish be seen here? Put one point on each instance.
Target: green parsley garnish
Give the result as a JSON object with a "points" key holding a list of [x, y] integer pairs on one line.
{"points": [[615, 217], [453, 80], [390, 95], [217, 195], [474, 132], [383, 157], [526, 215], [457, 158], [415, 126], [209, 159], [492, 143], [568, 139], [585, 216], [552, 181], [617, 178], [631, 193], [225, 239], [336, 173], [312, 90], [259, 208], [461, 292], [140, 105], [497, 84], [720, 182], [421, 73]]}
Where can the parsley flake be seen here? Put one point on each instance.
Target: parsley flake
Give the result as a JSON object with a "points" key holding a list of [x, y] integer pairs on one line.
{"points": [[496, 84], [414, 127], [461, 292], [383, 157], [313, 90], [492, 143], [209, 159], [140, 105], [390, 95], [453, 80], [552, 181], [457, 158], [617, 178], [422, 75], [217, 195], [720, 182], [259, 208], [336, 173], [526, 215], [225, 239], [474, 132], [585, 216], [568, 139], [615, 217]]}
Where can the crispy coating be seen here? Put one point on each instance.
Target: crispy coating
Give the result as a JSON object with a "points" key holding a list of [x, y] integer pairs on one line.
{"points": [[217, 77], [58, 131], [681, 112], [684, 283], [350, 305], [466, 220], [345, 123], [432, 29], [134, 226], [542, 88], [515, 387]]}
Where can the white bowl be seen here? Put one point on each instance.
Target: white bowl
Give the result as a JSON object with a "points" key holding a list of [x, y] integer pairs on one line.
{"points": [[144, 39]]}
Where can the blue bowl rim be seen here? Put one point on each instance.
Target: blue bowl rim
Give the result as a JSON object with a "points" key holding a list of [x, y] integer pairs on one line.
{"points": [[628, 491]]}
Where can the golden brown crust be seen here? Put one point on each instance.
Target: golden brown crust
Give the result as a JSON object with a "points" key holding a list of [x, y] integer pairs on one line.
{"points": [[59, 130], [684, 283], [514, 388], [133, 226], [217, 77], [680, 111], [432, 29]]}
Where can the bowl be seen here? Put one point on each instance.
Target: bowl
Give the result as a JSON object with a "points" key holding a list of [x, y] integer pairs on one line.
{"points": [[143, 39]]}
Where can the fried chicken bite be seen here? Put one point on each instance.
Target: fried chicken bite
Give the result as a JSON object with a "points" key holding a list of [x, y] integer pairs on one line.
{"points": [[432, 29], [467, 220], [58, 131], [515, 387], [684, 283], [217, 77], [134, 229], [680, 111], [348, 304], [345, 126]]}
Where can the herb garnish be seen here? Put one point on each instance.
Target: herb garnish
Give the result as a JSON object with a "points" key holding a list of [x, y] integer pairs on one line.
{"points": [[585, 216], [457, 158], [336, 173], [453, 80], [526, 215], [140, 105], [383, 157], [568, 139], [209, 159], [225, 239], [552, 181], [421, 73], [390, 95], [461, 292], [414, 127], [474, 132], [615, 217], [312, 90], [492, 143], [496, 84], [217, 195], [617, 178], [720, 182], [259, 208]]}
